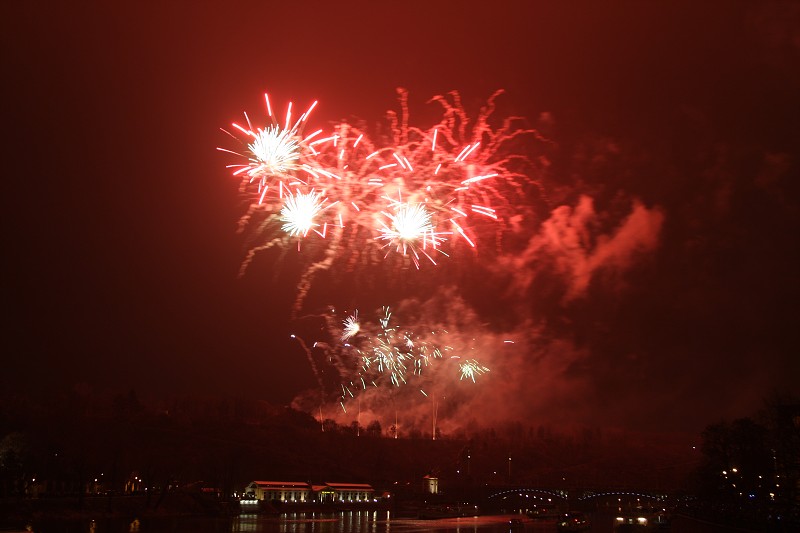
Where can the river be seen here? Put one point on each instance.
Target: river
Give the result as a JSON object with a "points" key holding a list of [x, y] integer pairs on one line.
{"points": [[345, 522]]}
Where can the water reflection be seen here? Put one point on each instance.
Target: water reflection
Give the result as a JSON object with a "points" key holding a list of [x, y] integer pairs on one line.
{"points": [[343, 522], [375, 522], [349, 522]]}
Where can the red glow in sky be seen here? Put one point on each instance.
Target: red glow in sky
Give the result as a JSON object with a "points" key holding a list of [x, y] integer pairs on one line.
{"points": [[650, 282]]}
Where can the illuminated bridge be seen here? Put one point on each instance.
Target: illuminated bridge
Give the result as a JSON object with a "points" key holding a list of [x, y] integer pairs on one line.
{"points": [[527, 498]]}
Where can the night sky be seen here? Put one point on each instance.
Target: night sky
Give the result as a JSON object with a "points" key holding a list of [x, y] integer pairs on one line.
{"points": [[651, 285]]}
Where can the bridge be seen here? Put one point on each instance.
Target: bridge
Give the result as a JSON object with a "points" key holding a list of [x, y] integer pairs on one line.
{"points": [[522, 498]]}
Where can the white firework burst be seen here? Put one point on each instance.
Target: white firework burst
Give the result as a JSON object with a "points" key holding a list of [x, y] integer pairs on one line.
{"points": [[411, 230], [299, 212], [275, 151], [351, 326], [471, 368]]}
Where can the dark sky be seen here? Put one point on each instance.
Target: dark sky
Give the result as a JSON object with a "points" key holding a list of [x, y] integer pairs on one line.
{"points": [[655, 287]]}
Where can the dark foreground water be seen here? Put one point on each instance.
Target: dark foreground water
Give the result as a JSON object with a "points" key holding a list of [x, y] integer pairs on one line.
{"points": [[346, 522], [358, 522]]}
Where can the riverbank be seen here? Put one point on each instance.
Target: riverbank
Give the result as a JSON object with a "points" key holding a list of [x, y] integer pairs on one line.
{"points": [[21, 512], [17, 513]]}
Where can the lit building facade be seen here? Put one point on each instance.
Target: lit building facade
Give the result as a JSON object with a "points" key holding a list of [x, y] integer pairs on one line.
{"points": [[282, 491], [301, 492]]}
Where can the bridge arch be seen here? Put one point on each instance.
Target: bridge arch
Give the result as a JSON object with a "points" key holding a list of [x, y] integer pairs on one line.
{"points": [[622, 500], [529, 491], [628, 494]]}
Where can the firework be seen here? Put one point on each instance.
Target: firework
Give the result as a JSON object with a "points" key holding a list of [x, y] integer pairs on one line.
{"points": [[457, 175], [351, 327], [411, 230], [300, 211], [373, 355], [471, 368], [274, 154], [417, 194]]}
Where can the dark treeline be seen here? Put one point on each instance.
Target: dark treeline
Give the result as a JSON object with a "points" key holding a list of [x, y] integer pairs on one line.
{"points": [[62, 444], [73, 444], [750, 469]]}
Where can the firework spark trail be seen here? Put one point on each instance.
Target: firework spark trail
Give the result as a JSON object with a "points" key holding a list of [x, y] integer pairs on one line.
{"points": [[351, 326], [471, 368], [411, 231], [307, 276], [369, 355], [458, 175], [273, 155], [452, 175], [300, 212], [311, 361]]}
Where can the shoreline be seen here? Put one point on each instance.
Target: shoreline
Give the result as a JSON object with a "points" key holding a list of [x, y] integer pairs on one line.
{"points": [[17, 513]]}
